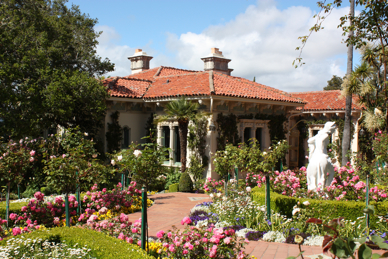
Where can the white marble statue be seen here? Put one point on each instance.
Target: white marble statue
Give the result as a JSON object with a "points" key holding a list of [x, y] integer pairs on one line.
{"points": [[320, 171]]}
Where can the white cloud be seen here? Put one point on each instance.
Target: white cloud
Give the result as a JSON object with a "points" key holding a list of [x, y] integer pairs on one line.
{"points": [[261, 42]]}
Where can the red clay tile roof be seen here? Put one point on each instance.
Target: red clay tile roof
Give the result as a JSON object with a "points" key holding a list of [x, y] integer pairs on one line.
{"points": [[126, 87], [240, 87], [162, 82], [193, 84], [146, 74], [325, 100]]}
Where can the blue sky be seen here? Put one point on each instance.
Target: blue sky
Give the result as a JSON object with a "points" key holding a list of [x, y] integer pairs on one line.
{"points": [[260, 36]]}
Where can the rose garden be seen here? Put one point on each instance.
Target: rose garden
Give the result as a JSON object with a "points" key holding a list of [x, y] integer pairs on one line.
{"points": [[81, 208]]}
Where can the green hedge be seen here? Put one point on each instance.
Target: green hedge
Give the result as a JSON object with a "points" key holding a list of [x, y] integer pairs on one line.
{"points": [[13, 208], [350, 210], [173, 187], [102, 245]]}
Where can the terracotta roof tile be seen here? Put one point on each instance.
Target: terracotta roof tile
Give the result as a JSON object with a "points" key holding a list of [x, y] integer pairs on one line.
{"points": [[146, 74], [126, 87], [325, 100], [192, 84], [240, 87], [162, 82], [171, 71]]}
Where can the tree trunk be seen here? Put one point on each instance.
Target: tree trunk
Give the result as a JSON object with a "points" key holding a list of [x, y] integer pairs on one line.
{"points": [[348, 108], [183, 125]]}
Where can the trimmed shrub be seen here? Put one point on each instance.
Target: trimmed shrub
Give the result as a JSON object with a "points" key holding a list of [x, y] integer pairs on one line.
{"points": [[13, 208], [322, 209], [102, 246], [173, 187], [185, 183]]}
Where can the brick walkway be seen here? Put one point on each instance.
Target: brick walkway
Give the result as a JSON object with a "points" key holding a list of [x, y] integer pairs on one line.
{"points": [[170, 208]]}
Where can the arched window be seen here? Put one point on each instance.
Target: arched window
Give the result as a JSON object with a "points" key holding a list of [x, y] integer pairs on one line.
{"points": [[126, 137]]}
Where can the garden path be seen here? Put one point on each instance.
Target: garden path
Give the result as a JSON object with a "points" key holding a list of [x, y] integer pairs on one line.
{"points": [[170, 208]]}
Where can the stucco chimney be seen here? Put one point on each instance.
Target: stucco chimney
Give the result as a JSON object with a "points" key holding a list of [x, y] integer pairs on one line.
{"points": [[140, 61], [215, 61]]}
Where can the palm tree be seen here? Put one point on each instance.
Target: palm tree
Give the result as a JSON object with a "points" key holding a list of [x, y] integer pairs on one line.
{"points": [[182, 111]]}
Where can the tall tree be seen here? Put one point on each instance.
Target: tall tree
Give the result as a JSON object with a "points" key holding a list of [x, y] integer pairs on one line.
{"points": [[334, 83], [49, 68], [348, 106], [182, 111]]}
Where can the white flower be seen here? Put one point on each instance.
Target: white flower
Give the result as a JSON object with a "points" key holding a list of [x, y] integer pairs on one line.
{"points": [[112, 162], [219, 194], [264, 153], [306, 203], [137, 153], [119, 158], [86, 134], [262, 209], [248, 189], [294, 211], [211, 195], [224, 198]]}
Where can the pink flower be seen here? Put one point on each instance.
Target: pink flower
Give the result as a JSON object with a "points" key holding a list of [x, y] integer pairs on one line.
{"points": [[32, 153], [172, 248], [160, 234], [227, 240], [185, 252], [186, 220], [16, 231], [32, 159]]}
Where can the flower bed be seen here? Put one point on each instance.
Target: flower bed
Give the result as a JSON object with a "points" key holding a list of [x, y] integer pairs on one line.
{"points": [[101, 245]]}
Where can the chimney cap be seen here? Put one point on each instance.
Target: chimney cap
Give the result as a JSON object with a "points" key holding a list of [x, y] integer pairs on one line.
{"points": [[139, 52]]}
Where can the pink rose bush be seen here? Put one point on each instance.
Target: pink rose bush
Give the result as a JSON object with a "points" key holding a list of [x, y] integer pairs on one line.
{"points": [[195, 242], [212, 185], [116, 201], [119, 227], [42, 212], [346, 185]]}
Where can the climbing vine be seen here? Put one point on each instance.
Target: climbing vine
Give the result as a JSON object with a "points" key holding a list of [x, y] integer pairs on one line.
{"points": [[275, 125], [150, 128], [114, 135], [197, 138], [227, 131]]}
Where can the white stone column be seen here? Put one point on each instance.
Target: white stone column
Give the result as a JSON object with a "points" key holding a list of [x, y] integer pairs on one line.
{"points": [[171, 144]]}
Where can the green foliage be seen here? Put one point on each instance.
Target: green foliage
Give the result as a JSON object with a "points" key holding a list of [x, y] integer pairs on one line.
{"points": [[173, 187], [48, 68], [172, 176], [225, 160], [14, 161], [196, 168], [102, 246], [185, 183], [14, 207], [144, 162], [150, 128], [334, 83], [197, 138], [324, 209], [76, 166], [114, 134], [227, 130]]}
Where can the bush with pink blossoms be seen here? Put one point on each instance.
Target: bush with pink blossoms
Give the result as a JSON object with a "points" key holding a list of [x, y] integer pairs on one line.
{"points": [[289, 182], [213, 185], [206, 242], [42, 212], [119, 227], [115, 201]]}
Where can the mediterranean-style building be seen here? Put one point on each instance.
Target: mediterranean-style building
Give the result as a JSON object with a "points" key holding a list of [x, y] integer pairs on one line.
{"points": [[147, 90]]}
